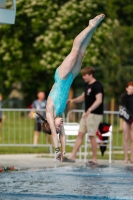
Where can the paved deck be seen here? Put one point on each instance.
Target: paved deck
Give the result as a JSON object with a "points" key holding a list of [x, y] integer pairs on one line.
{"points": [[23, 161]]}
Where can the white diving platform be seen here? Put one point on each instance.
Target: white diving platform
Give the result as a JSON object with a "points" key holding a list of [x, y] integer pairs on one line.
{"points": [[7, 16]]}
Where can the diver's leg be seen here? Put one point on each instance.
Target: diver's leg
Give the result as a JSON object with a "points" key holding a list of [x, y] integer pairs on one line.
{"points": [[125, 141], [131, 142], [73, 61]]}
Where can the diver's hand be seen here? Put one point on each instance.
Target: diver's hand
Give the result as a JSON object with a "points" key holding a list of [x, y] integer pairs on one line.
{"points": [[59, 156]]}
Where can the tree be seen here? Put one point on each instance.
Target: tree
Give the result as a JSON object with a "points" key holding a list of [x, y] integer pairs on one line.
{"points": [[118, 67], [20, 60], [38, 42], [42, 36]]}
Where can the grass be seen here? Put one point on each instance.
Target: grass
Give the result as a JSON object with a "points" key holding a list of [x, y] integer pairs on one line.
{"points": [[18, 128]]}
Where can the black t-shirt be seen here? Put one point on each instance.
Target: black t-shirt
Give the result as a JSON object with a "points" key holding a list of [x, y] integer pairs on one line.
{"points": [[127, 101], [90, 96]]}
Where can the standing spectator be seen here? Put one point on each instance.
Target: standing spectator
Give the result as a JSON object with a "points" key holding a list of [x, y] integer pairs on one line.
{"points": [[127, 126], [93, 96], [40, 106], [0, 115]]}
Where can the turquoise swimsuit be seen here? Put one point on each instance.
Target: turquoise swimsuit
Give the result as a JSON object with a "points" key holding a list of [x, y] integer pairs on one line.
{"points": [[59, 94]]}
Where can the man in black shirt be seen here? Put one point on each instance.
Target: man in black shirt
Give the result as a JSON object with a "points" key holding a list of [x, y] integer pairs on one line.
{"points": [[93, 96]]}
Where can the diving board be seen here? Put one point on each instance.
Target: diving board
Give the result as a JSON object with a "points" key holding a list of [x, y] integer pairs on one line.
{"points": [[7, 16]]}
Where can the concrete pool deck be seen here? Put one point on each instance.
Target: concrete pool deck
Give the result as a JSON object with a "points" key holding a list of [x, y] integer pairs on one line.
{"points": [[22, 161]]}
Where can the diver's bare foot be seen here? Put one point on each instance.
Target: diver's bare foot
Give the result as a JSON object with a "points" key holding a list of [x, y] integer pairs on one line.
{"points": [[96, 21]]}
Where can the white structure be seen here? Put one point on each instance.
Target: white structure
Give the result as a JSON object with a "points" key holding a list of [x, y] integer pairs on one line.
{"points": [[71, 129], [7, 16]]}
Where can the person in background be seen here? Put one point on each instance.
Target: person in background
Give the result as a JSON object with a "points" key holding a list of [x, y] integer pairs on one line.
{"points": [[93, 96], [0, 116], [127, 102], [39, 105]]}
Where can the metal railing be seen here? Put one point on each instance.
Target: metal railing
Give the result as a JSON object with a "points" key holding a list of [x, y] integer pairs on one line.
{"points": [[18, 128]]}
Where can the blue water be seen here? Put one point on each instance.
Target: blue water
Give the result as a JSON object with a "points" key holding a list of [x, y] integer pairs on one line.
{"points": [[102, 182]]}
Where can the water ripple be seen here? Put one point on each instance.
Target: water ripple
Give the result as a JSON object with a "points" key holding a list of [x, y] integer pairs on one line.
{"points": [[68, 183]]}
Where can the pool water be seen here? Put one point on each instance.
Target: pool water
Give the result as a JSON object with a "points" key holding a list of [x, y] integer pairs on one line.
{"points": [[67, 182]]}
